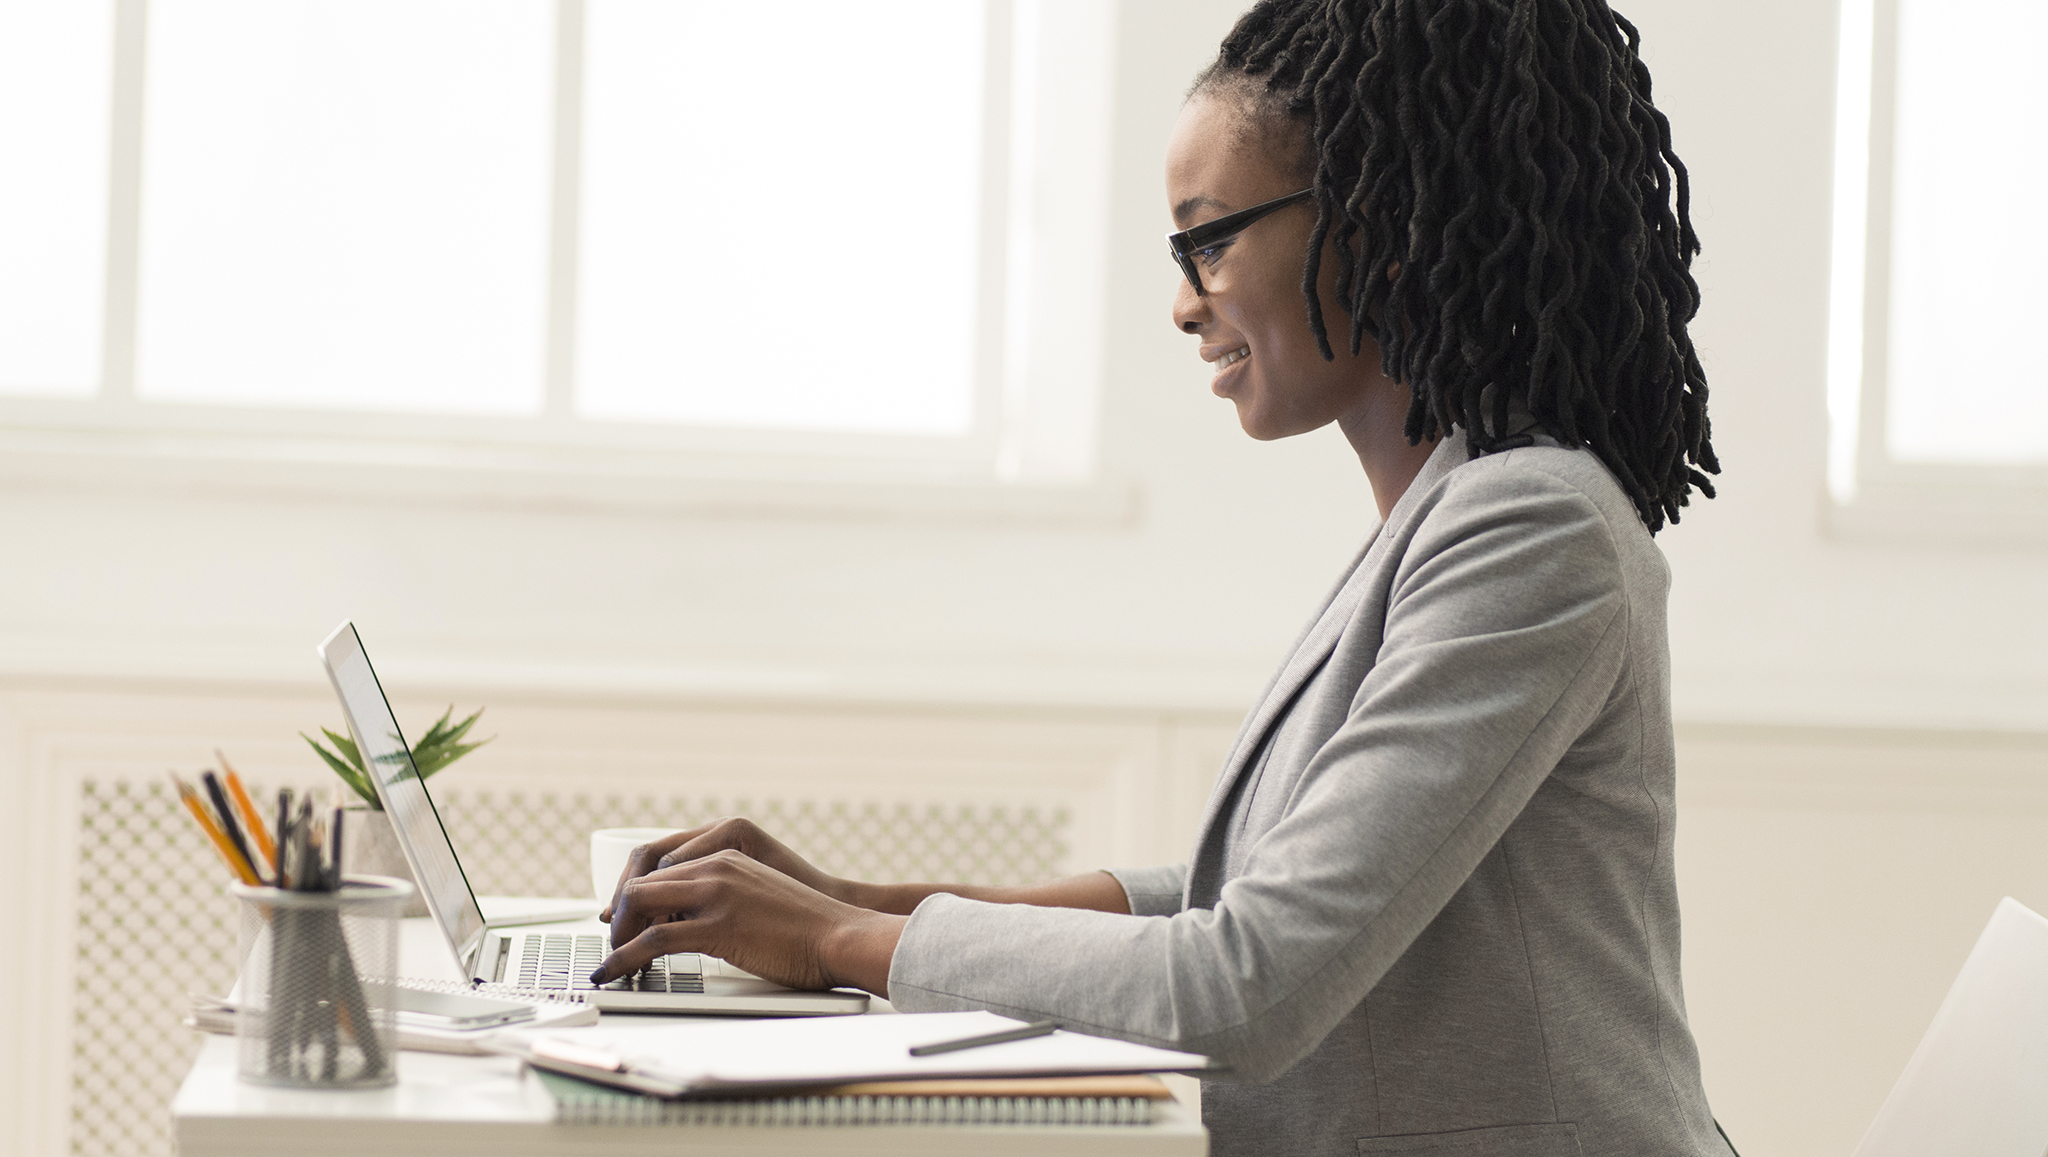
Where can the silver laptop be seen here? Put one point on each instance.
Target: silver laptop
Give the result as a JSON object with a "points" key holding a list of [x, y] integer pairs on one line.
{"points": [[682, 983]]}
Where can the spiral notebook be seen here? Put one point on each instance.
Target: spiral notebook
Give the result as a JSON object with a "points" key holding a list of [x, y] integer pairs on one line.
{"points": [[1130, 1100]]}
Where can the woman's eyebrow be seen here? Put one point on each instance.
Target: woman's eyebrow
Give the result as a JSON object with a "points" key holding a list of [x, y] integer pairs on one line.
{"points": [[1198, 201]]}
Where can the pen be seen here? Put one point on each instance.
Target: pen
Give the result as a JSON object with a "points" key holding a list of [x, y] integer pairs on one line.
{"points": [[226, 814], [284, 824], [305, 865], [334, 837], [214, 835], [246, 808], [1022, 1032]]}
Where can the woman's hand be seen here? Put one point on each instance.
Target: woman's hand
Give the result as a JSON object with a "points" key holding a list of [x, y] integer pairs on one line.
{"points": [[729, 905], [725, 835]]}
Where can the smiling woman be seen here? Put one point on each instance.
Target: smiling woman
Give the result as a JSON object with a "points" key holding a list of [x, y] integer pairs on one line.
{"points": [[1432, 908], [1242, 295]]}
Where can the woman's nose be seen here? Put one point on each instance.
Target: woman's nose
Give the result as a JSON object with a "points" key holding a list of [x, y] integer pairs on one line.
{"points": [[1190, 309]]}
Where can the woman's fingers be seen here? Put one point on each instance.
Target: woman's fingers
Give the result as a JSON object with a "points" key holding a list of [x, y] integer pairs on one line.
{"points": [[641, 950], [669, 894], [647, 857], [731, 834], [652, 903], [730, 906], [746, 837]]}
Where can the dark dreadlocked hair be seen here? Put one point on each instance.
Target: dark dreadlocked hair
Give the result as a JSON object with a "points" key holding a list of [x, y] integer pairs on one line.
{"points": [[1498, 190]]}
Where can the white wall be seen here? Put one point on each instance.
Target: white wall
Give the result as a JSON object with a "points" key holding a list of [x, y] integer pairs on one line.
{"points": [[1865, 766], [1866, 720], [1772, 619]]}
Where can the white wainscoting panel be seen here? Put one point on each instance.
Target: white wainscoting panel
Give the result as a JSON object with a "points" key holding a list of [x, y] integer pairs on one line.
{"points": [[1832, 882]]}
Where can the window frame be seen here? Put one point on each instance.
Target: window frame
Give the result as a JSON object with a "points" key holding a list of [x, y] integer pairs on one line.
{"points": [[1872, 493], [1033, 215]]}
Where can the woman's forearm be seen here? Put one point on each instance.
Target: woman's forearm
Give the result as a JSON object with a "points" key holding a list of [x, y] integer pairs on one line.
{"points": [[1096, 891]]}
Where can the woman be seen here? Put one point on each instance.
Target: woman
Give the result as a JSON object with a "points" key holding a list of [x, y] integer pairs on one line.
{"points": [[1432, 906]]}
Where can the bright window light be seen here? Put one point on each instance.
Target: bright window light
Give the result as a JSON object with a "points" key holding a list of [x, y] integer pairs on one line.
{"points": [[787, 240], [56, 85], [1967, 382], [1851, 220], [345, 204]]}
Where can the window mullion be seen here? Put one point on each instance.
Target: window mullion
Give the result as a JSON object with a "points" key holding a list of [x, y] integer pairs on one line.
{"points": [[124, 203], [566, 173], [992, 276], [1873, 458]]}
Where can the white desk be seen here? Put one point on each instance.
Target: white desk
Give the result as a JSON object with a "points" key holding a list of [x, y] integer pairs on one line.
{"points": [[452, 1106]]}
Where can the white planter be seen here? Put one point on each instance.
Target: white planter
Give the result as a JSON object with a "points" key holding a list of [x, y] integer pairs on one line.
{"points": [[370, 847]]}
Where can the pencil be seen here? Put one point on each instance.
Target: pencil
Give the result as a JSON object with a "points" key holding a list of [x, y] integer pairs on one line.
{"points": [[219, 839], [252, 820]]}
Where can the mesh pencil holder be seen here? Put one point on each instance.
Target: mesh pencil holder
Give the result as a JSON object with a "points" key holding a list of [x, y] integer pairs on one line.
{"points": [[314, 1008]]}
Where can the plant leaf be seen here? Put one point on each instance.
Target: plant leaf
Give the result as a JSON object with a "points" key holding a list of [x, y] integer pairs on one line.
{"points": [[461, 729], [341, 767], [438, 732], [429, 763], [356, 780], [441, 745], [346, 746]]}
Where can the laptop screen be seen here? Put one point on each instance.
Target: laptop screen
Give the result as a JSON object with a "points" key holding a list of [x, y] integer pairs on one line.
{"points": [[404, 794]]}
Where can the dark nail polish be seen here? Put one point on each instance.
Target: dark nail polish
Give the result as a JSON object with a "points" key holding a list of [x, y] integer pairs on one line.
{"points": [[597, 975]]}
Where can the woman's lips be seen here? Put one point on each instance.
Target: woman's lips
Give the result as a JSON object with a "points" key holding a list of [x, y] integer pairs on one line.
{"points": [[1225, 364]]}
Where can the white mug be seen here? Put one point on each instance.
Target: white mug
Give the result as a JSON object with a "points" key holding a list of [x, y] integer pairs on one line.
{"points": [[609, 850]]}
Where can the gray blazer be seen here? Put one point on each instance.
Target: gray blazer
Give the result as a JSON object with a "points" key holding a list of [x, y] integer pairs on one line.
{"points": [[1431, 909]]}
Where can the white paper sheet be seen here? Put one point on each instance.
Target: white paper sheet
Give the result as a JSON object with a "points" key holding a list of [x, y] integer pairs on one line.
{"points": [[823, 1050]]}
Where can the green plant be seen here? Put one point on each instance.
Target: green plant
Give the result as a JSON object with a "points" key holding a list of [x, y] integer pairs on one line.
{"points": [[439, 747]]}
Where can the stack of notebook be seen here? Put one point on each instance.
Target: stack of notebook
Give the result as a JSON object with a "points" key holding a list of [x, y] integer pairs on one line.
{"points": [[845, 1071], [1033, 1101]]}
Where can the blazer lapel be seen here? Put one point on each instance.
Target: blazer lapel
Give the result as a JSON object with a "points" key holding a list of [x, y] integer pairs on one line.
{"points": [[1311, 648], [1316, 643]]}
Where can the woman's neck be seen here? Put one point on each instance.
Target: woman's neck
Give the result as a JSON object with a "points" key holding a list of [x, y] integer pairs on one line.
{"points": [[1375, 430]]}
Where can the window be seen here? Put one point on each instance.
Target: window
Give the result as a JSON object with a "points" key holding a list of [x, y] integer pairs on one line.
{"points": [[337, 217], [1934, 380], [593, 225], [832, 234], [55, 85]]}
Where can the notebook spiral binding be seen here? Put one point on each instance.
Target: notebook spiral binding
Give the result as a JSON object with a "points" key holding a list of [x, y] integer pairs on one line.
{"points": [[866, 1110]]}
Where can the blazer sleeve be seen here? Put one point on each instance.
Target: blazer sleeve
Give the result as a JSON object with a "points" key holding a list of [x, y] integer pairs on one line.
{"points": [[1505, 633], [1153, 891]]}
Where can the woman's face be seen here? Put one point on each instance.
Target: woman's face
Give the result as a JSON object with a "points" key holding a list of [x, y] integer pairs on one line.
{"points": [[1253, 308]]}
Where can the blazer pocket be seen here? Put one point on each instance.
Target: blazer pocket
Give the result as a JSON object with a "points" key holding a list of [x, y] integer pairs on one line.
{"points": [[1554, 1140]]}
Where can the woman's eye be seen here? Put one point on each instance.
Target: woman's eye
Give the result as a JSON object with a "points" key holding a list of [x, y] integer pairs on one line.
{"points": [[1209, 254]]}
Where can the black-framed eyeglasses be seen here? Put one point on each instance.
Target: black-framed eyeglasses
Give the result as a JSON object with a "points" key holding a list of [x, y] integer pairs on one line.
{"points": [[1189, 242]]}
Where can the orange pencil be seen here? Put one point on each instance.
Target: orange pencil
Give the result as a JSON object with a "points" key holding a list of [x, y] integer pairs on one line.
{"points": [[252, 821], [242, 870]]}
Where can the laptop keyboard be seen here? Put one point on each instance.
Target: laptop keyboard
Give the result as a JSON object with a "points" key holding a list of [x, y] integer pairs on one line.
{"points": [[563, 963]]}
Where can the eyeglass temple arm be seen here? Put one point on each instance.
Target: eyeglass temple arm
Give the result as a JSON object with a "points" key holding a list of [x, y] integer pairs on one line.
{"points": [[1189, 240]]}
